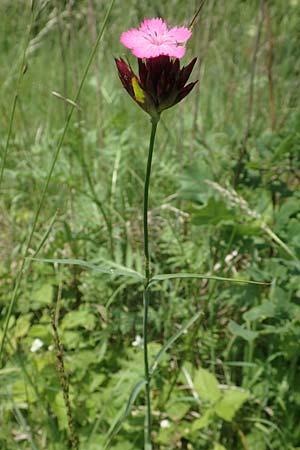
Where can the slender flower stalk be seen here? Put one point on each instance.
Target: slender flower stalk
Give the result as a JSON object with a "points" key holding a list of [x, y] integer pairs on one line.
{"points": [[161, 84], [146, 197], [146, 296], [147, 429]]}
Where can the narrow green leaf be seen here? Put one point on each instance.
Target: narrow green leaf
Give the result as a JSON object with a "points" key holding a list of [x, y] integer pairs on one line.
{"points": [[282, 244], [46, 234], [171, 341], [240, 364], [170, 276], [117, 270], [122, 416]]}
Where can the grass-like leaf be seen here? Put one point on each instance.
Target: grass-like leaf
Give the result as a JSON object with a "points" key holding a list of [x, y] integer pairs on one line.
{"points": [[48, 179], [121, 417], [112, 269], [171, 341], [170, 276]]}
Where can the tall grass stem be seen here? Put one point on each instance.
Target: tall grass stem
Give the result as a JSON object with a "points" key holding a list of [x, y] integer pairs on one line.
{"points": [[22, 71], [49, 176]]}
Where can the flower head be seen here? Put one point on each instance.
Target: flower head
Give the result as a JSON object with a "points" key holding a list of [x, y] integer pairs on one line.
{"points": [[153, 38], [161, 82]]}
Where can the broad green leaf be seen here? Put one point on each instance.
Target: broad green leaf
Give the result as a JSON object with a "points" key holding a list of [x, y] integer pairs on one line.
{"points": [[214, 212], [23, 393], [42, 296], [81, 360], [177, 410], [59, 408], [289, 207], [206, 385], [193, 182], [166, 435], [218, 446], [97, 380], [82, 318], [71, 339], [23, 325], [203, 421], [266, 309], [230, 403], [284, 147], [43, 332], [124, 445], [238, 330]]}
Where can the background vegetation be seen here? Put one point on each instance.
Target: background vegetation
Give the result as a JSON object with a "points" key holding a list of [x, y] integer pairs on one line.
{"points": [[224, 201]]}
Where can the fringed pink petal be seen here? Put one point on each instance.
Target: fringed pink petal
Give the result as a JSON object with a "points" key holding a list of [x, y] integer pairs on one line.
{"points": [[179, 34], [156, 25]]}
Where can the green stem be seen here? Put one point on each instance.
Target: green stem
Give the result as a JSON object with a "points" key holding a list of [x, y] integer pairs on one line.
{"points": [[23, 69], [147, 375], [146, 196], [147, 442]]}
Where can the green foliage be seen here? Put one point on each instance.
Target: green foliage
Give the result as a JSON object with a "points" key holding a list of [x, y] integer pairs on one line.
{"points": [[224, 204]]}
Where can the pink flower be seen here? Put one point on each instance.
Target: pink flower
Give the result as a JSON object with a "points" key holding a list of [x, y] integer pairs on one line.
{"points": [[153, 38]]}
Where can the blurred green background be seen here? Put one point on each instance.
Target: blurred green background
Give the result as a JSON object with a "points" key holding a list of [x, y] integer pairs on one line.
{"points": [[224, 200]]}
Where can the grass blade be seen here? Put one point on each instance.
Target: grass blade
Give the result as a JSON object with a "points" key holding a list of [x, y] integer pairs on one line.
{"points": [[120, 419], [23, 69], [170, 276], [115, 269], [171, 341], [49, 176]]}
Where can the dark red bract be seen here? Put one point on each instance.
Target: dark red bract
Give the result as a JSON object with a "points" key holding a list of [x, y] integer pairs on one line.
{"points": [[160, 85]]}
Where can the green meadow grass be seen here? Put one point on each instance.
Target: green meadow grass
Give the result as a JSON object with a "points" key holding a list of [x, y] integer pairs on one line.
{"points": [[224, 202]]}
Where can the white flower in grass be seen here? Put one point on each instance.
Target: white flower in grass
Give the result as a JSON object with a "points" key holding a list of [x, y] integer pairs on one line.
{"points": [[138, 342], [36, 345], [165, 423]]}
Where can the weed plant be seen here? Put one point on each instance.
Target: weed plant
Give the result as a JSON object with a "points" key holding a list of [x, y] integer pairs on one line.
{"points": [[224, 202]]}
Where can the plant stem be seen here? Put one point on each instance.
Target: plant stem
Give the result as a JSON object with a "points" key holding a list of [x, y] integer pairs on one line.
{"points": [[22, 71], [64, 382], [147, 435], [147, 431], [146, 196]]}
